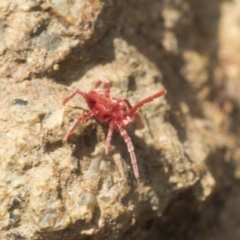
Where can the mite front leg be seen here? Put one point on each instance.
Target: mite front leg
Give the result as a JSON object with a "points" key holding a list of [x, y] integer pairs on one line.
{"points": [[144, 101], [130, 147], [71, 95], [106, 83], [76, 121]]}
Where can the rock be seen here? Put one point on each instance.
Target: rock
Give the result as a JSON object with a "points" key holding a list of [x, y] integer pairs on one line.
{"points": [[187, 150]]}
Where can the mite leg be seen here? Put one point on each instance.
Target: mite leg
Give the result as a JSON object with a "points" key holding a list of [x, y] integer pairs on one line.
{"points": [[106, 83], [130, 147], [109, 137], [76, 121], [71, 95], [144, 101]]}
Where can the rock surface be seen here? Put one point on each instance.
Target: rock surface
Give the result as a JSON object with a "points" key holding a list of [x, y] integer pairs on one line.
{"points": [[188, 151]]}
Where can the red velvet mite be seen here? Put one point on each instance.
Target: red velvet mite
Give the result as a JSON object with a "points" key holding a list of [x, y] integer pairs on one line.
{"points": [[118, 112]]}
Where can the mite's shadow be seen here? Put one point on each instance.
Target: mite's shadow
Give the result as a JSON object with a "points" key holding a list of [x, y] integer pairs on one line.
{"points": [[85, 143]]}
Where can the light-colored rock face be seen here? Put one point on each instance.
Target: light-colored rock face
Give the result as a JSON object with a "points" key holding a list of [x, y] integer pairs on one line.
{"points": [[36, 35], [50, 189]]}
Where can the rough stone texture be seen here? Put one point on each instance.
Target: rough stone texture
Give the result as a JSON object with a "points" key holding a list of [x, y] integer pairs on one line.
{"points": [[37, 34], [188, 151]]}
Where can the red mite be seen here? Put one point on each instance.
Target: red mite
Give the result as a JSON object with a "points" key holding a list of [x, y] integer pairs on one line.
{"points": [[118, 112]]}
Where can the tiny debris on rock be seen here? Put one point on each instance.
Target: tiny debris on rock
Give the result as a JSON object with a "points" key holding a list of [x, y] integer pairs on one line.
{"points": [[19, 101]]}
